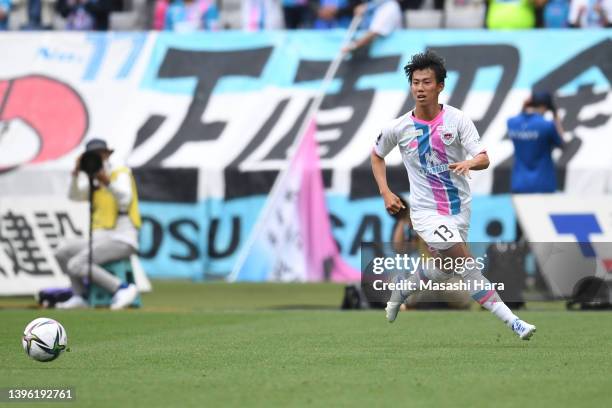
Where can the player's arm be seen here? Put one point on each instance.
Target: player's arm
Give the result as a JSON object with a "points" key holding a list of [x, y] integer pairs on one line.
{"points": [[478, 162], [469, 138], [392, 202]]}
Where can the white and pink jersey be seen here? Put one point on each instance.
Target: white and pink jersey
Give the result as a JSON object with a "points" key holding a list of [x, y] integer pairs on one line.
{"points": [[427, 148]]}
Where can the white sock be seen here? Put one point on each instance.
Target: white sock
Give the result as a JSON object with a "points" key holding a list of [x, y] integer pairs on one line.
{"points": [[489, 299]]}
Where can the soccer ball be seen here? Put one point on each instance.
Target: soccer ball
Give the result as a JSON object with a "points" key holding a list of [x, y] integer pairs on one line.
{"points": [[44, 339]]}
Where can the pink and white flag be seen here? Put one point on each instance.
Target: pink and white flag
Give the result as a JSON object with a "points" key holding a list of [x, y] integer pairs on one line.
{"points": [[292, 240]]}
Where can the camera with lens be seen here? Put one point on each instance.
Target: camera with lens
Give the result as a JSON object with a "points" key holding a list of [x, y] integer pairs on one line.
{"points": [[91, 163]]}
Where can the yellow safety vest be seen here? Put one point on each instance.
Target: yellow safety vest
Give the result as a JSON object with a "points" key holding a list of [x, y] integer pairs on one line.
{"points": [[105, 207], [510, 14]]}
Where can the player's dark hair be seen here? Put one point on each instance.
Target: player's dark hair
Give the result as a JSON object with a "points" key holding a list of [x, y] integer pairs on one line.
{"points": [[424, 60]]}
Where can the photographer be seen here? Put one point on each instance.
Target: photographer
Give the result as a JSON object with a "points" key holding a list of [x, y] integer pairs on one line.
{"points": [[534, 137], [115, 224]]}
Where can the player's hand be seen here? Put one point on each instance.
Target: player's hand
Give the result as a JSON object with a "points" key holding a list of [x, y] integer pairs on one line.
{"points": [[392, 202], [461, 168]]}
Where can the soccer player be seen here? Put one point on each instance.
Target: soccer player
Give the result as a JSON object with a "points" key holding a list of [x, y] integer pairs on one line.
{"points": [[433, 140]]}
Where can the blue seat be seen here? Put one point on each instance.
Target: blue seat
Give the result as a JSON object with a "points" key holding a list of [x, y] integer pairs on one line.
{"points": [[121, 269]]}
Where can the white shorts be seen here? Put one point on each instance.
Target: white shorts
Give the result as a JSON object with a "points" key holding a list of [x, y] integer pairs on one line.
{"points": [[441, 232]]}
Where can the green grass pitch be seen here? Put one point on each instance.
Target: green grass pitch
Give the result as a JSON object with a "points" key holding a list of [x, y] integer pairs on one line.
{"points": [[213, 345]]}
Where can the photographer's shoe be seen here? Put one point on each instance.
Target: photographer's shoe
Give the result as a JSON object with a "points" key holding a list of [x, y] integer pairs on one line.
{"points": [[124, 297], [75, 302]]}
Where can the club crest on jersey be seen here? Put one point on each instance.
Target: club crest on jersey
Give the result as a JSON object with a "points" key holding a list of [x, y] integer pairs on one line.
{"points": [[447, 134]]}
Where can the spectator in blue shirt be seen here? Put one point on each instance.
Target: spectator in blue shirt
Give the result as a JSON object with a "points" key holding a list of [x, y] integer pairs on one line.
{"points": [[556, 13], [534, 137]]}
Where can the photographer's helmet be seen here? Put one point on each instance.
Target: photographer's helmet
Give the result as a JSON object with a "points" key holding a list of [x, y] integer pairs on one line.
{"points": [[97, 145]]}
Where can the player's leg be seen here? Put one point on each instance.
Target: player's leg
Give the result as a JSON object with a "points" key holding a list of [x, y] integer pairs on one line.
{"points": [[487, 298], [399, 296], [446, 237], [425, 225]]}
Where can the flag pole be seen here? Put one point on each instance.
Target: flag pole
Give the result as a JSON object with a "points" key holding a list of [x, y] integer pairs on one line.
{"points": [[327, 79], [308, 118]]}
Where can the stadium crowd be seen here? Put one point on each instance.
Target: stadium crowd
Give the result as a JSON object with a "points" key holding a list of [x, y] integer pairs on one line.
{"points": [[253, 15]]}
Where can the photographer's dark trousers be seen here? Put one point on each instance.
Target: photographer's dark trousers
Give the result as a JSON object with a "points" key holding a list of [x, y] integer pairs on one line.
{"points": [[73, 257]]}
